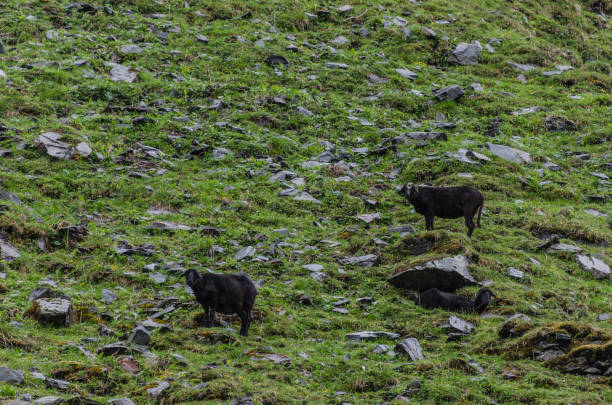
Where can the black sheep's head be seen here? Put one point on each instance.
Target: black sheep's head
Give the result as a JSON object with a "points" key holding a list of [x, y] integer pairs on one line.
{"points": [[482, 299], [192, 277], [408, 190]]}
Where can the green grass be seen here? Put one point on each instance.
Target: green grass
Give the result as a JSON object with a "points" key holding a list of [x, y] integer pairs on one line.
{"points": [[267, 137]]}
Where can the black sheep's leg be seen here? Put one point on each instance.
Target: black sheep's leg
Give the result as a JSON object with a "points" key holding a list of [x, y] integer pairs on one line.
{"points": [[469, 221], [429, 219], [210, 317], [244, 323]]}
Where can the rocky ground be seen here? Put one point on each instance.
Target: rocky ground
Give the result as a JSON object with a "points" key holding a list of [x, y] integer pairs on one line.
{"points": [[140, 138]]}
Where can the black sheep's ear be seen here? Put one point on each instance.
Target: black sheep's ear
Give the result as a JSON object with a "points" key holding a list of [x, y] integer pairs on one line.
{"points": [[192, 276]]}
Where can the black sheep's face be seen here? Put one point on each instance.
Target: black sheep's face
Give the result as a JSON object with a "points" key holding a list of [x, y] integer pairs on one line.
{"points": [[482, 299], [192, 277], [409, 191]]}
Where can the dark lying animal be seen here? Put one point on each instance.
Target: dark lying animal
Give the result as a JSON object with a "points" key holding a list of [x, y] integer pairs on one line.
{"points": [[225, 293], [434, 298], [445, 202]]}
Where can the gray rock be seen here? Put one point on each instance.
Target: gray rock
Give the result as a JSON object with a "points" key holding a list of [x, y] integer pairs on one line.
{"points": [[458, 325], [140, 336], [340, 40], [5, 195], [242, 401], [564, 247], [595, 213], [598, 268], [528, 110], [521, 67], [282, 175], [515, 273], [603, 317], [8, 252], [84, 150], [158, 278], [364, 32], [120, 401], [446, 274], [53, 311], [304, 196], [245, 252], [11, 376], [380, 349], [508, 153], [411, 347], [156, 392], [407, 74], [108, 297], [430, 136], [312, 267], [558, 123], [334, 65], [369, 335], [49, 400], [361, 261], [120, 73], [130, 49], [465, 54], [448, 93], [305, 112], [50, 144]]}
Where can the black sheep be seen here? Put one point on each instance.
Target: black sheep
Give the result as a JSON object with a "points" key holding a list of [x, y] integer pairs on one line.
{"points": [[445, 202], [225, 293], [434, 298]]}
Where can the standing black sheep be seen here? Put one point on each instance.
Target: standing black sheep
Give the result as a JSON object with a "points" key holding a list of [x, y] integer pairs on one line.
{"points": [[225, 293], [434, 298], [445, 202]]}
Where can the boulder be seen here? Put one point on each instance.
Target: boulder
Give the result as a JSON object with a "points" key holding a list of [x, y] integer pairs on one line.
{"points": [[465, 54], [508, 153], [11, 376], [411, 347], [446, 274], [53, 311], [448, 93], [361, 261], [140, 336], [8, 252], [50, 143], [597, 267], [458, 325], [559, 123], [156, 392]]}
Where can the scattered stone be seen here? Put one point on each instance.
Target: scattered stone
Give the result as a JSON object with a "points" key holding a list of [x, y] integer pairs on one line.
{"points": [[558, 123], [598, 268], [466, 54], [120, 73], [108, 297], [140, 336], [368, 335], [458, 325], [52, 311], [120, 401], [521, 67], [368, 218], [334, 65], [49, 400], [11, 376], [276, 60], [8, 252], [242, 401], [446, 274], [564, 247], [50, 144], [448, 93], [603, 317], [245, 252], [156, 392], [407, 74], [508, 153], [130, 49], [270, 357], [411, 347], [361, 261], [515, 273]]}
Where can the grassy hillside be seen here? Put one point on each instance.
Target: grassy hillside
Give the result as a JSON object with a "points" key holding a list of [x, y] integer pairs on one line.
{"points": [[209, 117]]}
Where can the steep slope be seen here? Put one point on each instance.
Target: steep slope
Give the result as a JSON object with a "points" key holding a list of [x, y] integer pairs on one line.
{"points": [[193, 130]]}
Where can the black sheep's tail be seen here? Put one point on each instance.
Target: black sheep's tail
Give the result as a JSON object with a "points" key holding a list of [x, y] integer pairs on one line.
{"points": [[480, 212]]}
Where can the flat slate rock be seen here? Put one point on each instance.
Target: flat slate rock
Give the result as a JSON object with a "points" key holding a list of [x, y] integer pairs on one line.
{"points": [[50, 143], [446, 274], [242, 401], [11, 376], [458, 325], [245, 252], [597, 267], [371, 335], [121, 401], [448, 93], [465, 54], [411, 347], [156, 392], [53, 311], [120, 73], [508, 153], [407, 74], [361, 261], [8, 252], [564, 247]]}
